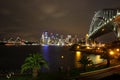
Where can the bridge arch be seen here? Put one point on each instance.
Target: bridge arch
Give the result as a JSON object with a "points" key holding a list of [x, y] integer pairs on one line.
{"points": [[105, 21]]}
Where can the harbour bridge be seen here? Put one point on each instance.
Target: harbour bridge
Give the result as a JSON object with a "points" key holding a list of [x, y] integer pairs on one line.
{"points": [[103, 22]]}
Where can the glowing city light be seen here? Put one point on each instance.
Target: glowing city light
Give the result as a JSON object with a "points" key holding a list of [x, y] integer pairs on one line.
{"points": [[117, 50], [111, 52], [110, 19], [88, 47], [78, 47], [78, 53], [62, 57]]}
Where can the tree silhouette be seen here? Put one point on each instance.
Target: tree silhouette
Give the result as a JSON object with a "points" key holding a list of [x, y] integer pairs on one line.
{"points": [[34, 62], [85, 61]]}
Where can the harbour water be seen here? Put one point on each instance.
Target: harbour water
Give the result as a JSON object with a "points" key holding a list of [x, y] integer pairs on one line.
{"points": [[12, 57]]}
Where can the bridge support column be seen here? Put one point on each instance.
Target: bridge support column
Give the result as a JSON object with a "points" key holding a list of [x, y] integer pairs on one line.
{"points": [[117, 30], [92, 42]]}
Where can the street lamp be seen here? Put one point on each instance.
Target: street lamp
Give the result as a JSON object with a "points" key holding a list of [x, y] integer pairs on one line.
{"points": [[78, 47], [62, 57], [117, 50], [87, 47], [111, 52]]}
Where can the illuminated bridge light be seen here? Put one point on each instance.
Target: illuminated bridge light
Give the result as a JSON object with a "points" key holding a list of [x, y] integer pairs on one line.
{"points": [[104, 23], [114, 16], [107, 21], [118, 13], [103, 29], [110, 19]]}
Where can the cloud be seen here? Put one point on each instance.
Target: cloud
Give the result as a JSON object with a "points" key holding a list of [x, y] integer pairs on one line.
{"points": [[48, 9], [5, 12], [59, 14], [52, 11]]}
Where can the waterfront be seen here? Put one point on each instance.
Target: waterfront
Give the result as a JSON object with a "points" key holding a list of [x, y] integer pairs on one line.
{"points": [[12, 57]]}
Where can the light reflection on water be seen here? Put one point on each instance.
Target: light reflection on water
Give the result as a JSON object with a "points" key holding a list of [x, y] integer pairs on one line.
{"points": [[95, 58], [77, 58], [45, 51], [61, 57], [56, 57]]}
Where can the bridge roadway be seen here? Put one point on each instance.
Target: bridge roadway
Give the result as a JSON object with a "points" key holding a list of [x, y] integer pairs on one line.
{"points": [[99, 74]]}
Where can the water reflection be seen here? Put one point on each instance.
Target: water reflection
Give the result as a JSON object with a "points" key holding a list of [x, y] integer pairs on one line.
{"points": [[77, 58], [45, 52], [56, 57], [96, 59], [61, 57]]}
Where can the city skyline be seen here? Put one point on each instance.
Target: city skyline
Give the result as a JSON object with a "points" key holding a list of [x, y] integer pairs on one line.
{"points": [[29, 19]]}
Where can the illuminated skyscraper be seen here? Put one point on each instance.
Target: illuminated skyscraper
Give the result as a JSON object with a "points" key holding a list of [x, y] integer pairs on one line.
{"points": [[44, 38]]}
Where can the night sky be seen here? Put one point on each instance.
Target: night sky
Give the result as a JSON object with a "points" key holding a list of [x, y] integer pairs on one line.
{"points": [[29, 18]]}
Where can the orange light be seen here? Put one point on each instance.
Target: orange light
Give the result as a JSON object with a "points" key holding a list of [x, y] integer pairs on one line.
{"points": [[77, 52], [88, 47], [77, 58], [98, 48], [78, 47], [86, 35], [111, 52], [117, 49]]}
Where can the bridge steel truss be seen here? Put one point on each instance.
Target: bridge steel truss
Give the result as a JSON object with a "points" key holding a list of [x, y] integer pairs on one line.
{"points": [[105, 21]]}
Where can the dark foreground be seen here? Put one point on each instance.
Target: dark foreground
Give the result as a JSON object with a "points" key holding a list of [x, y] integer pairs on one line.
{"points": [[112, 77], [57, 76], [42, 76]]}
